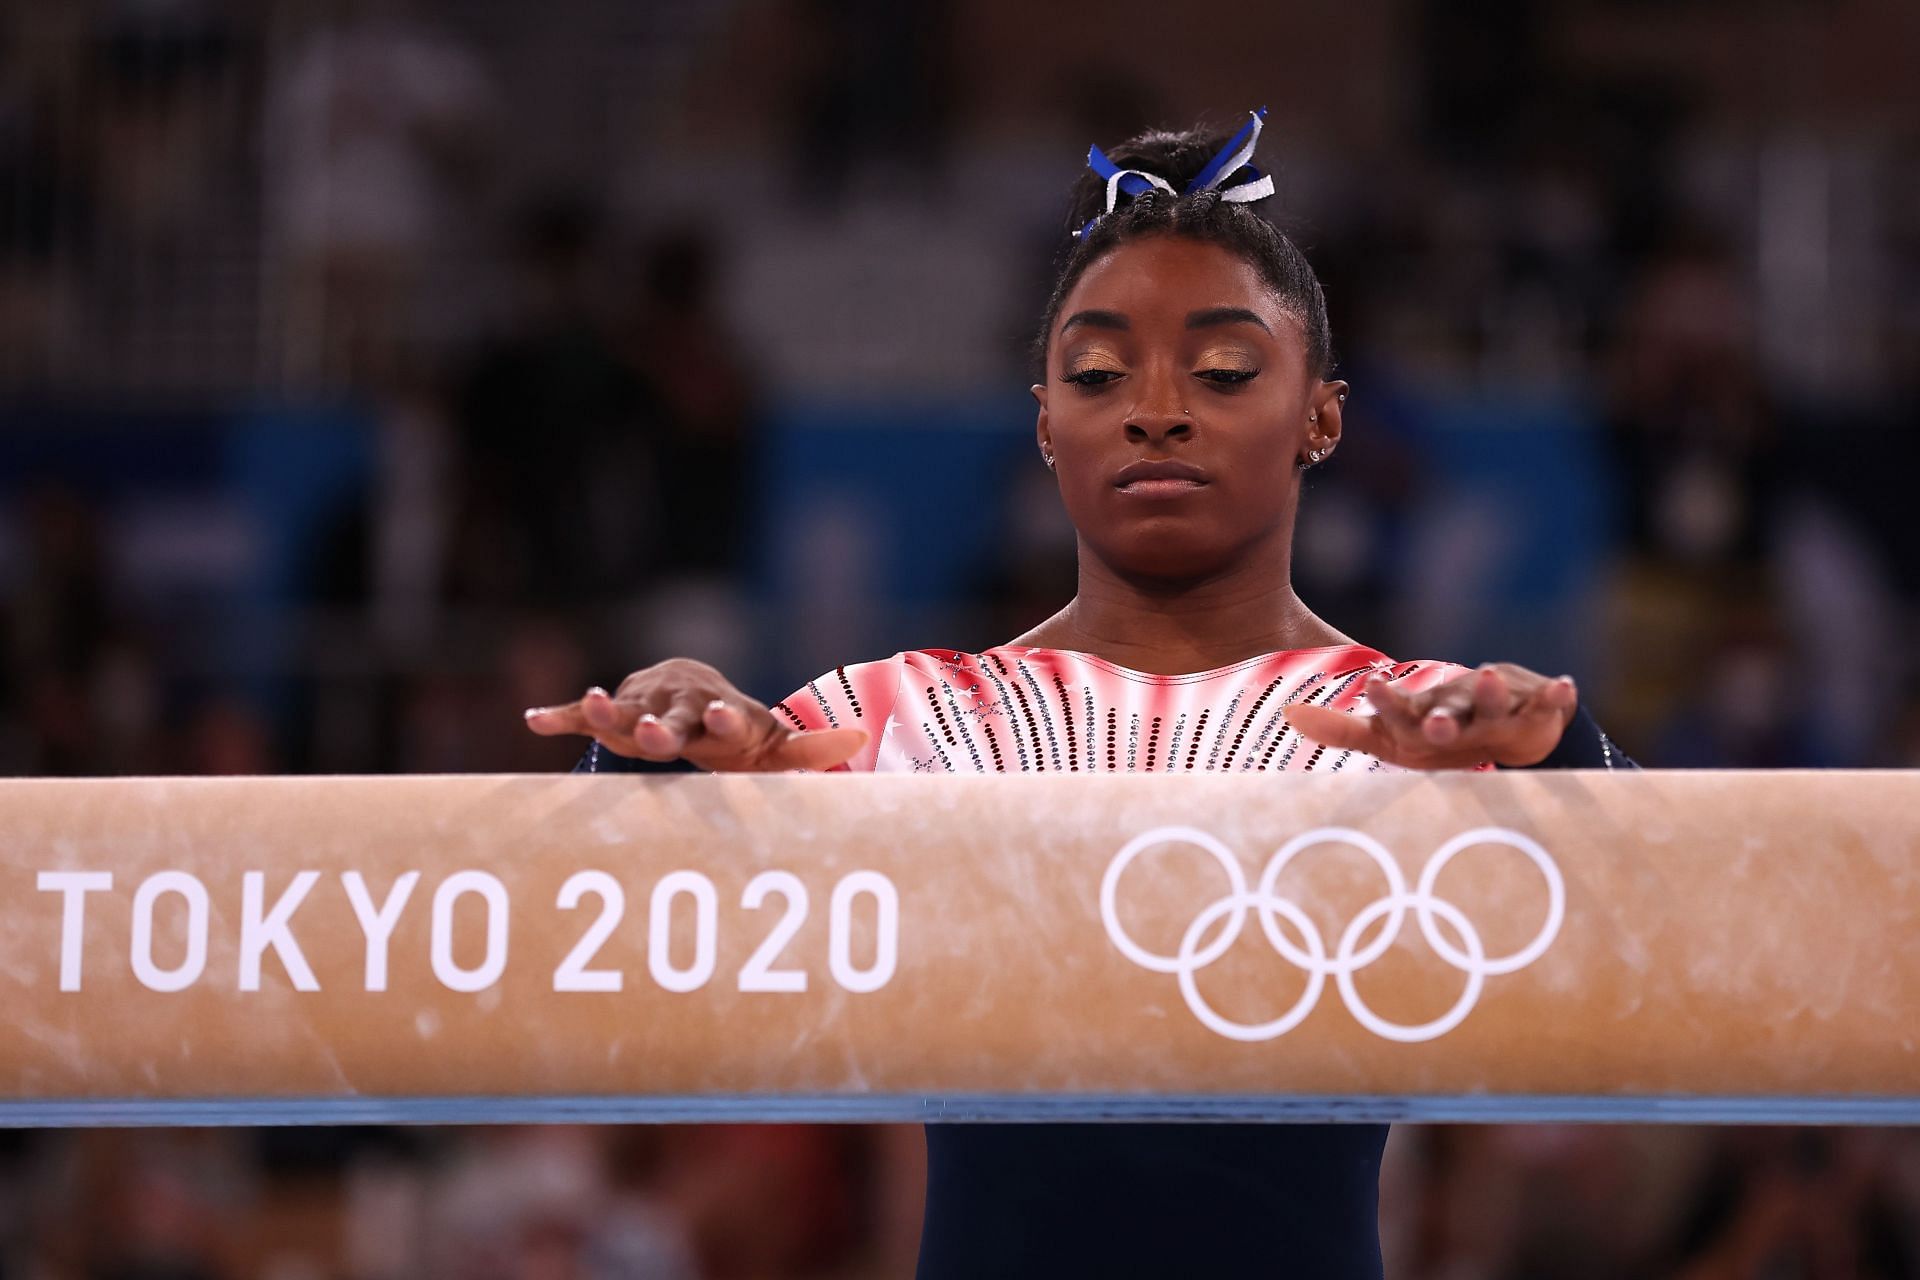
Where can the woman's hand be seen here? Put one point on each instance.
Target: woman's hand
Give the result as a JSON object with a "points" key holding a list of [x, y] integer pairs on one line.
{"points": [[682, 709], [1500, 712]]}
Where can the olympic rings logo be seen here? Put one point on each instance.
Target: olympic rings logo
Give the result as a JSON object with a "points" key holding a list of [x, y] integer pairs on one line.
{"points": [[1348, 957]]}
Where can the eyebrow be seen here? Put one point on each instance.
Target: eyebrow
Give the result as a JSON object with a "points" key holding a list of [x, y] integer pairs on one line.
{"points": [[1203, 319], [1097, 320], [1224, 315]]}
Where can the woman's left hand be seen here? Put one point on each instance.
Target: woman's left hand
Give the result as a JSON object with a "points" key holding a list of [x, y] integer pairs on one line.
{"points": [[1499, 712]]}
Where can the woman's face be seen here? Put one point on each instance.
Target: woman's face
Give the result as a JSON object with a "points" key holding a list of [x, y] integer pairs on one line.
{"points": [[1175, 352]]}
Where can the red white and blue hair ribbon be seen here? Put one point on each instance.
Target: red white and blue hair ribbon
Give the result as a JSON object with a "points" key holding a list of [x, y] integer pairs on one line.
{"points": [[1230, 162]]}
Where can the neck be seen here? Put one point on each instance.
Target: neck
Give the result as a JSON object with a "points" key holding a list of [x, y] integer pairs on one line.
{"points": [[1174, 627]]}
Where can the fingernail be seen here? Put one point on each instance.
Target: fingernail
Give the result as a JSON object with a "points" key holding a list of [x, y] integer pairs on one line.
{"points": [[717, 705], [649, 718], [597, 689], [531, 712]]}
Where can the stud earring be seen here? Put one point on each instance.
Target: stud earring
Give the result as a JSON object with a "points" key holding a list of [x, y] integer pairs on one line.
{"points": [[1047, 456], [1316, 455]]}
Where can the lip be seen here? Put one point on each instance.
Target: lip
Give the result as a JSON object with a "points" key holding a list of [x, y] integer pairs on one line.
{"points": [[1158, 476]]}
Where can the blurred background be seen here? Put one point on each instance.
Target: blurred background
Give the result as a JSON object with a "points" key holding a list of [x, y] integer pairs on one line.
{"points": [[372, 370]]}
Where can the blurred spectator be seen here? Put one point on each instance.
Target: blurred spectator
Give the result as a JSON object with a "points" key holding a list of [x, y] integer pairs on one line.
{"points": [[873, 88], [376, 131], [1691, 417], [562, 497], [708, 399]]}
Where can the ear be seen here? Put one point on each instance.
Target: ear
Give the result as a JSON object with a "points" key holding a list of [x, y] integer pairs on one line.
{"points": [[1326, 410], [1044, 437]]}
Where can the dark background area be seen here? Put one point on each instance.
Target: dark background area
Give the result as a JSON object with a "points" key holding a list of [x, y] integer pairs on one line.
{"points": [[370, 371]]}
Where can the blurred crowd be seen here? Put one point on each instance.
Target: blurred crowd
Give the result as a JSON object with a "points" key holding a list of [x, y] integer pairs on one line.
{"points": [[370, 370]]}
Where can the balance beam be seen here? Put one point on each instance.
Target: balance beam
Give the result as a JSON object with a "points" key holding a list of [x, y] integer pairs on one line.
{"points": [[1666, 946]]}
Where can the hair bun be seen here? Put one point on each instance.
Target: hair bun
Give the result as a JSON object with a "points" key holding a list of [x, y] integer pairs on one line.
{"points": [[1177, 157]]}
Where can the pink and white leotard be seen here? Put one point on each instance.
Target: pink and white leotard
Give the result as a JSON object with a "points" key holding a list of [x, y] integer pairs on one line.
{"points": [[1014, 708]]}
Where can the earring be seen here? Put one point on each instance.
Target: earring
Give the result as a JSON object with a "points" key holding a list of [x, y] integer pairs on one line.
{"points": [[1313, 417], [1316, 455], [1047, 456]]}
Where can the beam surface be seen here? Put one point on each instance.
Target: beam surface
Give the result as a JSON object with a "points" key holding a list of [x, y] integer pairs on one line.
{"points": [[1686, 946]]}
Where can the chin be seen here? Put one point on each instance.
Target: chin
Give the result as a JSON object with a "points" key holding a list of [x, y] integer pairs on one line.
{"points": [[1168, 554]]}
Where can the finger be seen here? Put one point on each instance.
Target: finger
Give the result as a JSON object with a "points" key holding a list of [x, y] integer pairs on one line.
{"points": [[1394, 707], [1444, 710], [736, 735], [1491, 696], [1340, 729], [1549, 699], [726, 726], [1440, 726], [1487, 714], [668, 733], [815, 748], [556, 720], [1554, 698], [604, 715]]}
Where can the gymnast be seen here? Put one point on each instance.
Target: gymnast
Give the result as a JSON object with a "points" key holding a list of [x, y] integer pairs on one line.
{"points": [[1185, 389]]}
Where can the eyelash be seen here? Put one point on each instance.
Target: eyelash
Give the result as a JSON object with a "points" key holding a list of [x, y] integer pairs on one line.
{"points": [[1092, 378]]}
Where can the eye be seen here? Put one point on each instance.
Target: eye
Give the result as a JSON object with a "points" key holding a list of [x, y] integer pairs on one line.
{"points": [[1229, 377], [1091, 377]]}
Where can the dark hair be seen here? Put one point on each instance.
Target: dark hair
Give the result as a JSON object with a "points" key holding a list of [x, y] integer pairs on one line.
{"points": [[1177, 157]]}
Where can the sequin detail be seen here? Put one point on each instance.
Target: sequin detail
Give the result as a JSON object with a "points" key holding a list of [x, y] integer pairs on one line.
{"points": [[1025, 709], [1066, 716], [846, 687]]}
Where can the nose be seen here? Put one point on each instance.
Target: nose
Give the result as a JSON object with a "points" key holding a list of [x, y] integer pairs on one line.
{"points": [[1158, 415]]}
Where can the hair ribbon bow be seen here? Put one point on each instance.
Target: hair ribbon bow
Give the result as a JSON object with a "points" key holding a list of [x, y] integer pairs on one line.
{"points": [[1230, 160]]}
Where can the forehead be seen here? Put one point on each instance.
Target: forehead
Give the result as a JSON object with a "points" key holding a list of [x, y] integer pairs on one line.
{"points": [[1163, 278]]}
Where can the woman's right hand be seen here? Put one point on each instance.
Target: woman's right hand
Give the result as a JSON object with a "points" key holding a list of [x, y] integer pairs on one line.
{"points": [[682, 709]]}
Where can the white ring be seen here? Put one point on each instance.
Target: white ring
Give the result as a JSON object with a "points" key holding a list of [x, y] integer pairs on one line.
{"points": [[1316, 976], [1556, 897], [1396, 887], [1349, 956], [1110, 884], [1364, 1014]]}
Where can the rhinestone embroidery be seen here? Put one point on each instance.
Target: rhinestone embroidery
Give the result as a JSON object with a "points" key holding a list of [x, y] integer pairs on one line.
{"points": [[1053, 704]]}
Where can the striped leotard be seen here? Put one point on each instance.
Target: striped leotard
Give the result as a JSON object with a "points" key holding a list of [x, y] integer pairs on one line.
{"points": [[1019, 709]]}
